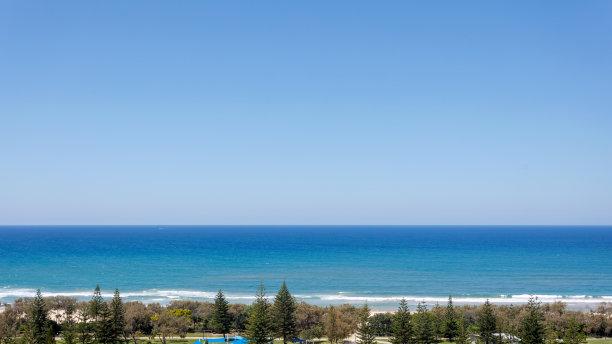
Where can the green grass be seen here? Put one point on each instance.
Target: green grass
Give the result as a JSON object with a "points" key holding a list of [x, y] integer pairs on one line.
{"points": [[173, 341], [599, 340], [192, 336], [190, 340]]}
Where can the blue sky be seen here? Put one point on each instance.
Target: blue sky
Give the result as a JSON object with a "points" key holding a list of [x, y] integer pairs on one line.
{"points": [[306, 112]]}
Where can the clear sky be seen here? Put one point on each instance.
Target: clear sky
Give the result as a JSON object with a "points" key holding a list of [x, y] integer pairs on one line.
{"points": [[305, 112]]}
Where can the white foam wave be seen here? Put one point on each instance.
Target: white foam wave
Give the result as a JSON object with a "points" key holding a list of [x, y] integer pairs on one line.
{"points": [[155, 295], [500, 299], [150, 293]]}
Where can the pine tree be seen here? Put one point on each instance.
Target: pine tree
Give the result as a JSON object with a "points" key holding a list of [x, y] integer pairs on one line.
{"points": [[84, 326], [487, 324], [532, 325], [284, 314], [117, 318], [462, 331], [50, 335], [221, 321], [423, 325], [95, 305], [104, 326], [402, 325], [450, 321], [574, 332], [38, 321], [95, 308], [438, 314], [365, 333], [69, 325], [259, 327]]}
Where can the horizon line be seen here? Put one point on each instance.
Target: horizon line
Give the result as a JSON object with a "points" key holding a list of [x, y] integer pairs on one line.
{"points": [[306, 225]]}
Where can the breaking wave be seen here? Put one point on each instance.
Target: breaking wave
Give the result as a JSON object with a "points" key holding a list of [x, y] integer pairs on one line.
{"points": [[155, 295]]}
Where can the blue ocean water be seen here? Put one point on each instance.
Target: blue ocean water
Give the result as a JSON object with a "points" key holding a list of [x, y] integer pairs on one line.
{"points": [[320, 264]]}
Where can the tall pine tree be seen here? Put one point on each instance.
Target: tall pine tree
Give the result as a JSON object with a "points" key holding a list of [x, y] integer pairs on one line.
{"points": [[450, 321], [95, 305], [38, 321], [283, 314], [487, 324], [437, 313], [117, 319], [402, 325], [532, 329], [221, 321], [104, 325], [285, 323], [365, 332], [95, 308], [462, 331], [423, 325], [259, 328]]}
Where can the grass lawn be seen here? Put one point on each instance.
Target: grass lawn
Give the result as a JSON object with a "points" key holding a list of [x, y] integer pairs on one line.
{"points": [[192, 338], [599, 340], [155, 341], [173, 341]]}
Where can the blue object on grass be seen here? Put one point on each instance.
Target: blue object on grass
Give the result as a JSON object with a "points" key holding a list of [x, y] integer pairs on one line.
{"points": [[232, 340]]}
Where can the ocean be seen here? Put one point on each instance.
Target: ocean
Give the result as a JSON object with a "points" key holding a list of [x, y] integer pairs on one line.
{"points": [[321, 264]]}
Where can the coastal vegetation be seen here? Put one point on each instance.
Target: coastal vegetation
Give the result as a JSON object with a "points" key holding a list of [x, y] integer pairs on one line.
{"points": [[66, 320]]}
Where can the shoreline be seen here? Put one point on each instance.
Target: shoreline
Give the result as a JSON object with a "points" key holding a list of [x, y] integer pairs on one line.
{"points": [[378, 303]]}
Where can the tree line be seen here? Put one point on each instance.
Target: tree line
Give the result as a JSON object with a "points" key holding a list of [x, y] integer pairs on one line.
{"points": [[44, 320]]}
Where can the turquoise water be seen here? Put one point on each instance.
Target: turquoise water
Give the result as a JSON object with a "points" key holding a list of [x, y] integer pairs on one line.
{"points": [[320, 264]]}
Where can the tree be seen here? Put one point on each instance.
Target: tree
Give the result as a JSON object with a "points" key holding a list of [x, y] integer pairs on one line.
{"points": [[138, 320], [8, 325], [450, 321], [239, 315], [69, 325], [349, 318], [333, 325], [100, 319], [551, 335], [104, 325], [221, 321], [574, 332], [284, 314], [382, 324], [161, 326], [309, 321], [365, 334], [462, 336], [171, 321], [95, 305], [40, 331], [339, 322], [84, 325], [181, 320], [438, 315], [532, 324], [487, 323], [402, 325], [259, 329], [423, 326], [117, 319]]}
